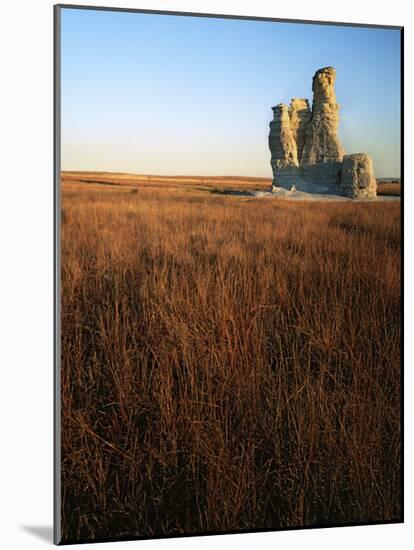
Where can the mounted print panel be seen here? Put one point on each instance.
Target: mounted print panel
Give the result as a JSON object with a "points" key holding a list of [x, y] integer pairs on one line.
{"points": [[228, 274]]}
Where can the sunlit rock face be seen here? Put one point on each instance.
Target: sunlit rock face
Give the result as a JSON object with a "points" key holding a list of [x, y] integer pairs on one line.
{"points": [[281, 141], [357, 178], [323, 152], [305, 147], [282, 144]]}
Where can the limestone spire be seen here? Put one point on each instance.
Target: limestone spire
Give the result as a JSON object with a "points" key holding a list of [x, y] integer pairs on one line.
{"points": [[322, 145], [281, 141]]}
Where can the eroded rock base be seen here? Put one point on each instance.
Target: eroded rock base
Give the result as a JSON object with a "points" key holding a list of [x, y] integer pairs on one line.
{"points": [[358, 179]]}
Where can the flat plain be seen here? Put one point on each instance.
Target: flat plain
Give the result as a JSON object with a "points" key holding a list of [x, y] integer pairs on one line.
{"points": [[228, 363]]}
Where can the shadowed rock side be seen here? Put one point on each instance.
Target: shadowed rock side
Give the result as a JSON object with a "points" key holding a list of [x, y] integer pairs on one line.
{"points": [[305, 147], [300, 115]]}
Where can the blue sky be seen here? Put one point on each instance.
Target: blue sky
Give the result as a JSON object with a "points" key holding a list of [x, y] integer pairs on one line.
{"points": [[164, 94]]}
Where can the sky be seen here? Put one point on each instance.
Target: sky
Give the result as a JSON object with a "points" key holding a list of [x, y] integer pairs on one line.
{"points": [[163, 94]]}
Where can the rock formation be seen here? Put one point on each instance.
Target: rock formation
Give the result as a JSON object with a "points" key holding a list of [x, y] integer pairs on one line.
{"points": [[358, 180], [300, 116], [305, 148], [323, 153], [282, 144], [281, 141]]}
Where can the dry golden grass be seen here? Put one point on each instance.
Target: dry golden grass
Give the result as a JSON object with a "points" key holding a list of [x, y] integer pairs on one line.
{"points": [[227, 363], [389, 189]]}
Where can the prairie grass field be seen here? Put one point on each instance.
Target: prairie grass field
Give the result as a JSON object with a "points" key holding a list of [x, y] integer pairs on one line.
{"points": [[389, 189], [228, 363]]}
